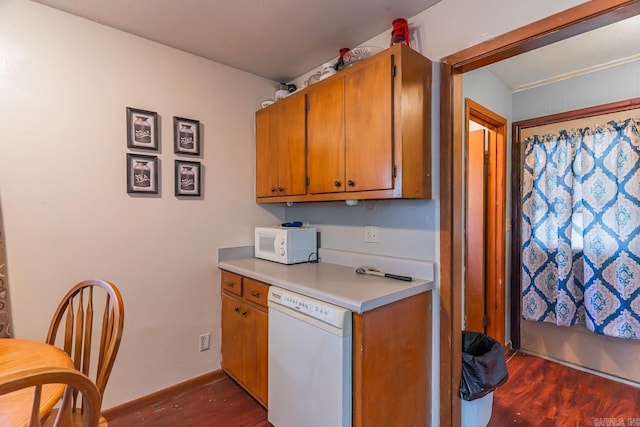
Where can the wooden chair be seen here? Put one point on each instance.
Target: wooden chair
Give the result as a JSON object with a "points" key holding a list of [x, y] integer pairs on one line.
{"points": [[76, 309], [75, 383]]}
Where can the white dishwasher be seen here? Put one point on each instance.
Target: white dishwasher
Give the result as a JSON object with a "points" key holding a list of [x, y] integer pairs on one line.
{"points": [[309, 362]]}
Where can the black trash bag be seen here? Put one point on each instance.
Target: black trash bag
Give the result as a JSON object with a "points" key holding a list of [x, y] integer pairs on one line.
{"points": [[483, 365]]}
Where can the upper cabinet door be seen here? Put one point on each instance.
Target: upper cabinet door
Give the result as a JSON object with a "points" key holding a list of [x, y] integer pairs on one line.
{"points": [[325, 137], [280, 149], [266, 156], [368, 105], [290, 125]]}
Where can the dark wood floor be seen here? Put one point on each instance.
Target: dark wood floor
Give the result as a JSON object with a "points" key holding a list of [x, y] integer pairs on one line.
{"points": [[543, 393], [538, 393], [220, 403]]}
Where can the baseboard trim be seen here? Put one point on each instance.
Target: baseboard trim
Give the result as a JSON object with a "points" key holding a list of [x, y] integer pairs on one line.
{"points": [[155, 397], [583, 368]]}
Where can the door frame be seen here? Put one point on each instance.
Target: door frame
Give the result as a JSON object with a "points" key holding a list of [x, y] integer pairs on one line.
{"points": [[579, 19], [495, 262]]}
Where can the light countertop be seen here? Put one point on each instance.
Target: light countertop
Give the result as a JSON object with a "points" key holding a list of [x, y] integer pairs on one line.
{"points": [[333, 283]]}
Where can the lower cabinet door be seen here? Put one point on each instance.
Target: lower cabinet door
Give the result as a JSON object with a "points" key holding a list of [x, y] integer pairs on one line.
{"points": [[232, 332], [256, 353]]}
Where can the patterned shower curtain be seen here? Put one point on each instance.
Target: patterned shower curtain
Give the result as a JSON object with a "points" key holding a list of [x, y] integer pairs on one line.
{"points": [[581, 228]]}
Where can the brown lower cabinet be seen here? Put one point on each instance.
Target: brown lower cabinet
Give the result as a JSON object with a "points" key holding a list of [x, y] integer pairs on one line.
{"points": [[392, 364], [245, 330], [391, 353]]}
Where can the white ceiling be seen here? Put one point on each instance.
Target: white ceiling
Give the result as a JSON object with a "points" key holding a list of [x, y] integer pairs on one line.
{"points": [[284, 39], [277, 39], [601, 48]]}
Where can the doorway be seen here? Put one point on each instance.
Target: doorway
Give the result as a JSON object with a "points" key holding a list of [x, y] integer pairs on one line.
{"points": [[485, 297], [576, 20]]}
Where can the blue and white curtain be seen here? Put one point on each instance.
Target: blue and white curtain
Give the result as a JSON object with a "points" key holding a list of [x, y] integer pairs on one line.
{"points": [[581, 228]]}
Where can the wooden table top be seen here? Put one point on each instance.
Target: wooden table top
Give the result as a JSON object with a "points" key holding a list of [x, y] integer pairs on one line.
{"points": [[16, 355]]}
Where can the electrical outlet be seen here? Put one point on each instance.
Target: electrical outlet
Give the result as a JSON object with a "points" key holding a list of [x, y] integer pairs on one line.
{"points": [[205, 342], [371, 234]]}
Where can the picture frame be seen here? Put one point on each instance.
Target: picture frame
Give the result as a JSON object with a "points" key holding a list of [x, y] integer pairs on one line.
{"points": [[142, 174], [187, 178], [186, 136], [142, 129]]}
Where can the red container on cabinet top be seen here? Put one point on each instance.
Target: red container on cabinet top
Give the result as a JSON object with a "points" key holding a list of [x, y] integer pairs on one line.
{"points": [[400, 31]]}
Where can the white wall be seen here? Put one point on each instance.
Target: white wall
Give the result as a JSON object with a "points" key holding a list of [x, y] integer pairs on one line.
{"points": [[342, 227], [576, 344], [600, 87], [483, 87], [64, 86], [65, 83]]}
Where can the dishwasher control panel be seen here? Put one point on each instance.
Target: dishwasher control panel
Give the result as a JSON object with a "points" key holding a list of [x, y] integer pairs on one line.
{"points": [[328, 313]]}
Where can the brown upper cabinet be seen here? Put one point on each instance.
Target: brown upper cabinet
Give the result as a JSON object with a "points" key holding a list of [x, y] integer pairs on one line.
{"points": [[280, 149], [367, 136], [349, 125]]}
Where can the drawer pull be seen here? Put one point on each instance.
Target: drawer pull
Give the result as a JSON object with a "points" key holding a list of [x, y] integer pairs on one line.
{"points": [[255, 294], [230, 284]]}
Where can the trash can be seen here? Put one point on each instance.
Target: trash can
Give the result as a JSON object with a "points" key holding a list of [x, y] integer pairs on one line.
{"points": [[483, 369]]}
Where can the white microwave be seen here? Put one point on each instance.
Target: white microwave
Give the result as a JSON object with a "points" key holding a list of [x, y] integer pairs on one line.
{"points": [[286, 245]]}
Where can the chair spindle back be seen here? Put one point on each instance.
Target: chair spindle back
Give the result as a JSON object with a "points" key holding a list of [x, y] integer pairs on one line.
{"points": [[77, 311]]}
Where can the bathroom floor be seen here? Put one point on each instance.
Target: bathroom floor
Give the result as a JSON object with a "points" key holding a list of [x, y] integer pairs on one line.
{"points": [[543, 393]]}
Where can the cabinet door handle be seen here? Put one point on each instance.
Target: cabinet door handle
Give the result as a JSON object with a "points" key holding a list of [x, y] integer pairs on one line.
{"points": [[244, 314], [230, 284], [237, 309], [273, 189], [351, 183], [281, 189], [337, 183], [255, 294]]}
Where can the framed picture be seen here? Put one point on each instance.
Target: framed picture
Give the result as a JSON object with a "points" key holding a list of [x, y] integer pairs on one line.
{"points": [[187, 178], [142, 174], [186, 136], [142, 129]]}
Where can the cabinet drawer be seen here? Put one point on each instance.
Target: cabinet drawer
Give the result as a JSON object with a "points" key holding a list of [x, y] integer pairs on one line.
{"points": [[231, 282], [256, 291]]}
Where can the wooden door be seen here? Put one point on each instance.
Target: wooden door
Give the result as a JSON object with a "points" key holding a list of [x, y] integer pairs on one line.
{"points": [[325, 137], [232, 333], [288, 125], [495, 241], [475, 285], [485, 235], [256, 353], [368, 131]]}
